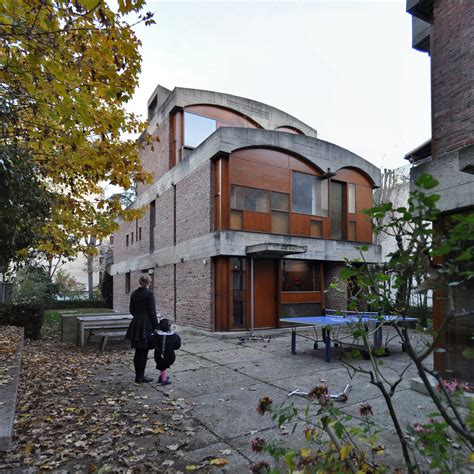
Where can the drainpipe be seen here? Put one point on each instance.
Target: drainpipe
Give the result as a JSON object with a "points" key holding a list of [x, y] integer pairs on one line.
{"points": [[251, 299]]}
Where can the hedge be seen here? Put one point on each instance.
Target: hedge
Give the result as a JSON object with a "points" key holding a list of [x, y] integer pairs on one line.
{"points": [[73, 304], [28, 316]]}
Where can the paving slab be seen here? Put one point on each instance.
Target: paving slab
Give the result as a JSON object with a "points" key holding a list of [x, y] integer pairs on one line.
{"points": [[208, 380], [232, 413]]}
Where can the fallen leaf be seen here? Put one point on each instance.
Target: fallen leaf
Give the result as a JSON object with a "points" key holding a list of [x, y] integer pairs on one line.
{"points": [[168, 462], [173, 447], [192, 467], [219, 462]]}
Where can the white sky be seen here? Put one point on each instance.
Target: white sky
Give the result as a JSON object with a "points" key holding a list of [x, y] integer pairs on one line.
{"points": [[346, 68]]}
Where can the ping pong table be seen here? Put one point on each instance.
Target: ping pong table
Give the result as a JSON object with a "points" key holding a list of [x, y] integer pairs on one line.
{"points": [[326, 323]]}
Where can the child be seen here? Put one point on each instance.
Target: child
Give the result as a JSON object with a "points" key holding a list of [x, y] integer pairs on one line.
{"points": [[167, 341]]}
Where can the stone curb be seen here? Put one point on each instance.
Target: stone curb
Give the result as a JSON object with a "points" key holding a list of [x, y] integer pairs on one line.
{"points": [[9, 395]]}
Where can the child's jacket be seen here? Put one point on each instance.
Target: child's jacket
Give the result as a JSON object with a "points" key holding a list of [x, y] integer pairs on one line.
{"points": [[165, 345]]}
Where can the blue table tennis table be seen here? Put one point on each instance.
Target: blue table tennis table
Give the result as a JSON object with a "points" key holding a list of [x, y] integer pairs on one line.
{"points": [[326, 323]]}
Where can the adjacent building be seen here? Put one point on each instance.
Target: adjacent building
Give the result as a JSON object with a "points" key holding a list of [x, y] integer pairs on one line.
{"points": [[249, 218], [445, 30]]}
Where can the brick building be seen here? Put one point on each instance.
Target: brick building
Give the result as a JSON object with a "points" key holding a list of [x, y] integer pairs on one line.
{"points": [[249, 217], [445, 30]]}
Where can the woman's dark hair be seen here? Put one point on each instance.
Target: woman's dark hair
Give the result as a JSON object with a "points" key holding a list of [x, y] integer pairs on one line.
{"points": [[164, 325]]}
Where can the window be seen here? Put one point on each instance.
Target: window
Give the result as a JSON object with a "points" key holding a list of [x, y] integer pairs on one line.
{"points": [[139, 233], [249, 199], [351, 198], [111, 240], [152, 225], [127, 282], [280, 213], [197, 128], [309, 194], [298, 310], [300, 275], [126, 240], [237, 268], [337, 209], [132, 238]]}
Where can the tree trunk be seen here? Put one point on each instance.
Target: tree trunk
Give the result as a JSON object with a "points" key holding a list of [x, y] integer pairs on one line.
{"points": [[90, 276]]}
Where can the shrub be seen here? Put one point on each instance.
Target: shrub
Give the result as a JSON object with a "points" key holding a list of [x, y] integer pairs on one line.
{"points": [[73, 304], [28, 316], [33, 286]]}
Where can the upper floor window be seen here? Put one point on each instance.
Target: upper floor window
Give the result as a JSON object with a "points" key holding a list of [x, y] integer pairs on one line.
{"points": [[249, 199], [309, 194], [351, 198], [197, 128]]}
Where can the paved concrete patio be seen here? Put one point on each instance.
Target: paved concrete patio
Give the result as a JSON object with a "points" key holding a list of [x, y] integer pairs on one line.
{"points": [[223, 382]]}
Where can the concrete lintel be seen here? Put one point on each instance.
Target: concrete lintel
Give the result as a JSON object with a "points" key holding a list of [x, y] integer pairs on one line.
{"points": [[272, 249]]}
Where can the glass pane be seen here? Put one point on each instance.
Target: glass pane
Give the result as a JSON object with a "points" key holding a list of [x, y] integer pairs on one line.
{"points": [[300, 275], [460, 334], [336, 210], [280, 201], [316, 229], [351, 230], [302, 193], [249, 199], [324, 203], [280, 222], [237, 268], [351, 197], [197, 128], [309, 194], [236, 219], [296, 310]]}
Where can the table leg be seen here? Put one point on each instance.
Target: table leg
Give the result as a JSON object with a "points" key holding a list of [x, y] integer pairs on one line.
{"points": [[80, 331], [327, 344], [293, 340]]}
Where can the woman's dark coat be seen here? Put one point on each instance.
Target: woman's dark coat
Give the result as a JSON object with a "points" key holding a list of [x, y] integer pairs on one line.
{"points": [[165, 345], [144, 322]]}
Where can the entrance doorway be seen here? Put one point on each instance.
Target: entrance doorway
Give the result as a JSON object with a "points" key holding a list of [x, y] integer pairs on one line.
{"points": [[265, 293]]}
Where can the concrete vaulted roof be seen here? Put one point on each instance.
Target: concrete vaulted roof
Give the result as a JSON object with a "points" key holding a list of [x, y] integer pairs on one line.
{"points": [[226, 140], [268, 117]]}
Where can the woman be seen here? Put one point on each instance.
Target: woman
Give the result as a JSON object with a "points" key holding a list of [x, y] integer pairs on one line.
{"points": [[144, 322]]}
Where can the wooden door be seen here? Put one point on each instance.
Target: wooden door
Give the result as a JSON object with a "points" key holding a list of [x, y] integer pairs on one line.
{"points": [[265, 294]]}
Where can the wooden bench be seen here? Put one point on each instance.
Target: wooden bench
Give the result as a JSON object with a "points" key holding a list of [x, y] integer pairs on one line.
{"points": [[110, 323], [104, 335]]}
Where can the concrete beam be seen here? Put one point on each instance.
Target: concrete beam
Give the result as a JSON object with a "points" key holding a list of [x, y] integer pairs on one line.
{"points": [[265, 115], [235, 243], [456, 188]]}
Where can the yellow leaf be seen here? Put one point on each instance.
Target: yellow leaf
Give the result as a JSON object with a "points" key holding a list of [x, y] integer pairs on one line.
{"points": [[471, 458], [28, 447], [192, 467], [219, 462], [345, 451], [305, 452]]}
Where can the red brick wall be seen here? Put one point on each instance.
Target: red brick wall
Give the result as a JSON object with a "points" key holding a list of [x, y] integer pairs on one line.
{"points": [[194, 204], [195, 294], [164, 291], [155, 157], [452, 63], [121, 298], [334, 299]]}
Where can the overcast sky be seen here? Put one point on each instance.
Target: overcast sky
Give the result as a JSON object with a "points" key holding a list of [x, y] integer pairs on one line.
{"points": [[346, 68]]}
